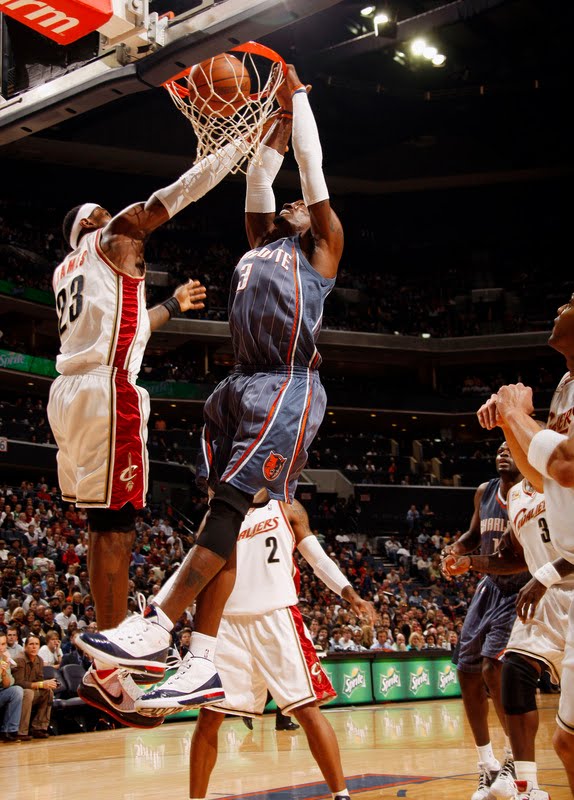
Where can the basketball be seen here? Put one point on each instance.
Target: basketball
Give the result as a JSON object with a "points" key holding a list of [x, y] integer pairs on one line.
{"points": [[219, 86]]}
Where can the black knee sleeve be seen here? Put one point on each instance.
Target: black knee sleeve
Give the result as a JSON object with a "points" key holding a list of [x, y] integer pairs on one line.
{"points": [[227, 511], [519, 682], [102, 520]]}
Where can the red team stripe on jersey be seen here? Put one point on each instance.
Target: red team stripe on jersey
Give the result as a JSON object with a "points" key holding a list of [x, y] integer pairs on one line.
{"points": [[321, 684], [128, 479]]}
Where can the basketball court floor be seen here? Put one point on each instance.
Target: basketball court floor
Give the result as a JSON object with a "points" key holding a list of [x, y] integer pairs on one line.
{"points": [[418, 751]]}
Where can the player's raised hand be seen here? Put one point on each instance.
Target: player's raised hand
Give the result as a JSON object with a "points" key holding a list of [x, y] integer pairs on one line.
{"points": [[515, 397], [452, 565], [488, 415], [191, 295]]}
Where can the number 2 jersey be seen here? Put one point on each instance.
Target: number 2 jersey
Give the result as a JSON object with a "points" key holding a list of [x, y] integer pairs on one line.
{"points": [[267, 577], [528, 518], [102, 314]]}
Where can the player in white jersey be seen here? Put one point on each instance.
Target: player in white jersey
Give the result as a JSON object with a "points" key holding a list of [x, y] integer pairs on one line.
{"points": [[97, 413], [546, 459], [263, 642], [538, 637]]}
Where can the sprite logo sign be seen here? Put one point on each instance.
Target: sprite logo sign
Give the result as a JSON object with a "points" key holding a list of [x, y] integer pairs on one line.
{"points": [[353, 681], [446, 678], [418, 679], [391, 680]]}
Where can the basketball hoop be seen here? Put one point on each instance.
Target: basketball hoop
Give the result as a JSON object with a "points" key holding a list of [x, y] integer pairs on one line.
{"points": [[237, 115]]}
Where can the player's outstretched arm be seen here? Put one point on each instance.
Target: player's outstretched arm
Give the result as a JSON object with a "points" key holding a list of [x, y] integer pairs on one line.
{"points": [[187, 297], [263, 169], [322, 565], [141, 219], [326, 229]]}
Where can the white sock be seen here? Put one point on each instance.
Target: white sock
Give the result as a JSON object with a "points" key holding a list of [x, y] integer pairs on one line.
{"points": [[341, 793], [507, 747], [163, 618], [203, 646], [486, 756], [527, 771]]}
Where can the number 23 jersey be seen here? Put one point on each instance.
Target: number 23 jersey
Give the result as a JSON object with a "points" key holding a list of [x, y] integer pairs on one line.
{"points": [[102, 314], [267, 578]]}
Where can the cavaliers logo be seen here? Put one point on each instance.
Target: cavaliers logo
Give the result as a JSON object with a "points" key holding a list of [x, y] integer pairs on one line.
{"points": [[128, 474], [273, 465]]}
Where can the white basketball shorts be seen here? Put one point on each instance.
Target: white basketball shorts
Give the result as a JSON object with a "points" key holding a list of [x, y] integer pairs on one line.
{"points": [[99, 421], [272, 652], [544, 637], [565, 716]]}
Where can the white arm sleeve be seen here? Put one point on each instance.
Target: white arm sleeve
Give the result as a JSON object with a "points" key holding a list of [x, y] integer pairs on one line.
{"points": [[261, 173], [307, 150], [198, 180], [323, 566]]}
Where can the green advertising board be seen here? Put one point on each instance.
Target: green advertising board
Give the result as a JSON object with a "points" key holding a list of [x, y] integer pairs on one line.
{"points": [[419, 680], [351, 680], [390, 681], [445, 678]]}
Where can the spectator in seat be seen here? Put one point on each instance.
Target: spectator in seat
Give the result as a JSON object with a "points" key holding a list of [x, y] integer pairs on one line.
{"points": [[66, 617], [416, 641], [14, 647], [38, 692], [51, 652], [10, 696]]}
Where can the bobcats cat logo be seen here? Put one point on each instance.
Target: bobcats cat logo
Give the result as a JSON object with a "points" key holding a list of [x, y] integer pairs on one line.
{"points": [[273, 465]]}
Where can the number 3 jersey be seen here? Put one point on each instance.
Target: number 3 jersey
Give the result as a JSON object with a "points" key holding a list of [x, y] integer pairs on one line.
{"points": [[102, 314], [267, 577], [528, 518]]}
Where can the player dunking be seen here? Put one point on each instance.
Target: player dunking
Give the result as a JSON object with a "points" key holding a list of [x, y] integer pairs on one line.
{"points": [[97, 413], [489, 620], [260, 421], [546, 458]]}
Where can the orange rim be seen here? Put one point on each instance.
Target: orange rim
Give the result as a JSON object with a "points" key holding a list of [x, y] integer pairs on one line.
{"points": [[248, 47]]}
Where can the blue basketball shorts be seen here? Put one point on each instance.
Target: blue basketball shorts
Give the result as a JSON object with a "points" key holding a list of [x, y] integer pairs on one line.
{"points": [[258, 430], [487, 626]]}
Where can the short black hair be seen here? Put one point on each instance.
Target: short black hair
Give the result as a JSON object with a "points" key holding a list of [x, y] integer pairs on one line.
{"points": [[68, 223]]}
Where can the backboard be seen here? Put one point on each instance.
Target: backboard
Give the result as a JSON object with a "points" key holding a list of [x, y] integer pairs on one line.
{"points": [[43, 83]]}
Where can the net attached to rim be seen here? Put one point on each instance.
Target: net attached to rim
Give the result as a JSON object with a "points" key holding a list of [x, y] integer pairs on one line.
{"points": [[247, 122]]}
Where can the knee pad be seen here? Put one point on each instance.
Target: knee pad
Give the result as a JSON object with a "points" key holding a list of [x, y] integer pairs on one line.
{"points": [[102, 520], [519, 682], [227, 511]]}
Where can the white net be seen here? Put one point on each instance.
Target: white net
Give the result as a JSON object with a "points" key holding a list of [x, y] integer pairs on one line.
{"points": [[240, 112]]}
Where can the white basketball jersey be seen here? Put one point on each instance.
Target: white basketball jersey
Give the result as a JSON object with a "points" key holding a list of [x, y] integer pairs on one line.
{"points": [[266, 572], [102, 314], [559, 499], [528, 517]]}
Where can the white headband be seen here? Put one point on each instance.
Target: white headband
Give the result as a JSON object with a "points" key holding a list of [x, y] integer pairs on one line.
{"points": [[83, 212]]}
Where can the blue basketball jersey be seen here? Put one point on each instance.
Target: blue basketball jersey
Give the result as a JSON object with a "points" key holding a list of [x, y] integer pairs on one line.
{"points": [[276, 307], [493, 523]]}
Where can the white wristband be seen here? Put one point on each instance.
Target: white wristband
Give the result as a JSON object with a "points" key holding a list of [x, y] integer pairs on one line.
{"points": [[547, 575], [542, 445]]}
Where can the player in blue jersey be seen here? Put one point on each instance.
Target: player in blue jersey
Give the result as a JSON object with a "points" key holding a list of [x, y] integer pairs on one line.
{"points": [[260, 421], [489, 620]]}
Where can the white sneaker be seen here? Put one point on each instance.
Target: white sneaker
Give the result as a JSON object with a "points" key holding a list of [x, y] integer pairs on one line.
{"points": [[138, 644], [196, 683], [504, 786], [116, 695], [486, 776], [526, 792]]}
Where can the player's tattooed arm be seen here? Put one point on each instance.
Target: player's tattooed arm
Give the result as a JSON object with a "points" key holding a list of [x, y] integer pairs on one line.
{"points": [[470, 539]]}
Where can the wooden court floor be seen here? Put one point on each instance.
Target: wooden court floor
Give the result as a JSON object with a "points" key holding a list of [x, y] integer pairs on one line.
{"points": [[418, 751]]}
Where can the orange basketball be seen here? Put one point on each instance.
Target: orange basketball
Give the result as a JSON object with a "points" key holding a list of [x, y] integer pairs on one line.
{"points": [[219, 85]]}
